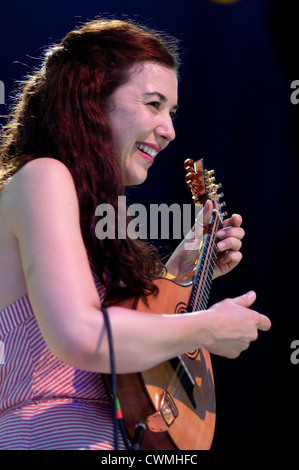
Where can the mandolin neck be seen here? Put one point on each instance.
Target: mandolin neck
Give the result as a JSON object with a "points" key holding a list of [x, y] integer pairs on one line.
{"points": [[206, 263]]}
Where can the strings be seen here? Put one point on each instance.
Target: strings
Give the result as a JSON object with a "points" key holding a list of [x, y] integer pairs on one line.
{"points": [[203, 278], [199, 296]]}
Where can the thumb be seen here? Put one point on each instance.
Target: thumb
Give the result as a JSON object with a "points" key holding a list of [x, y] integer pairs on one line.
{"points": [[207, 212], [245, 300]]}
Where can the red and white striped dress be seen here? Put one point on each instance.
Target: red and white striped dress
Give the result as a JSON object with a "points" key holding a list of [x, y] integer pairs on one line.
{"points": [[44, 403]]}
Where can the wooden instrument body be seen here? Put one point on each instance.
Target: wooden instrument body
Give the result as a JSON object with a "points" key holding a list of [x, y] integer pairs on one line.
{"points": [[141, 395]]}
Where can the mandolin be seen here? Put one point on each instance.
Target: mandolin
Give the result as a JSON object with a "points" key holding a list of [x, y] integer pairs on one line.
{"points": [[175, 401]]}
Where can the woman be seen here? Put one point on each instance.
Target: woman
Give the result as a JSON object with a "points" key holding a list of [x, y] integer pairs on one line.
{"points": [[88, 123]]}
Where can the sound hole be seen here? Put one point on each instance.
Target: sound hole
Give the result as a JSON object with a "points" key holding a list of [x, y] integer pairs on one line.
{"points": [[181, 307], [193, 354]]}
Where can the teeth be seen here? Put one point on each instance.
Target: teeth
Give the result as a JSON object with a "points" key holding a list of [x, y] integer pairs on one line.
{"points": [[151, 152]]}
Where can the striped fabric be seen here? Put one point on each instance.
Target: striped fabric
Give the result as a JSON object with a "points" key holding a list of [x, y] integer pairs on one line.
{"points": [[44, 403]]}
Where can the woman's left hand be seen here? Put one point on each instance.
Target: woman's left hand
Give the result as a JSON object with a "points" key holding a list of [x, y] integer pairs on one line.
{"points": [[228, 244]]}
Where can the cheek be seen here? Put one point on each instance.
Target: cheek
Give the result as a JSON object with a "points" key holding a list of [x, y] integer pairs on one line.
{"points": [[127, 132], [128, 126], [123, 143]]}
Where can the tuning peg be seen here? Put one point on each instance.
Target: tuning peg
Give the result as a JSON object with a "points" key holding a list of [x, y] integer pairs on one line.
{"points": [[220, 195], [223, 204], [212, 179], [189, 164], [212, 187], [191, 175], [209, 173]]}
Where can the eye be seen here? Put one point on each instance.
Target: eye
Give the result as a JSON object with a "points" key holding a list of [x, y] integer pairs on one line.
{"points": [[154, 104], [173, 115]]}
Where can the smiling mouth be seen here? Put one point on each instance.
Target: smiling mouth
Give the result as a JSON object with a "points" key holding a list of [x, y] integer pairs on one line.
{"points": [[147, 152]]}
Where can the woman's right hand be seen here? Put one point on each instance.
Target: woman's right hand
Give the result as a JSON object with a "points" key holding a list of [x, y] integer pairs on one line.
{"points": [[234, 325]]}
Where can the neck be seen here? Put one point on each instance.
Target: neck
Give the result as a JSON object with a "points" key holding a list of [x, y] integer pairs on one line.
{"points": [[206, 264]]}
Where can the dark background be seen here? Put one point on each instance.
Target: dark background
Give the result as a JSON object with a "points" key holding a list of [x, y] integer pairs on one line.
{"points": [[235, 111]]}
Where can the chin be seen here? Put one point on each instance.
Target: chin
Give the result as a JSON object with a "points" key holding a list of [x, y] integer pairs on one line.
{"points": [[136, 178]]}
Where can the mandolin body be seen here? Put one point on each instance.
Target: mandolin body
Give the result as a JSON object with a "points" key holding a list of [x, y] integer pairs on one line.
{"points": [[176, 404]]}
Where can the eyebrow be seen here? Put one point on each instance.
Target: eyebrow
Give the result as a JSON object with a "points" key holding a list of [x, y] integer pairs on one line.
{"points": [[162, 98]]}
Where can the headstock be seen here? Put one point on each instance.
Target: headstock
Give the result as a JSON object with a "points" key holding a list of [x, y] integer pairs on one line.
{"points": [[201, 183]]}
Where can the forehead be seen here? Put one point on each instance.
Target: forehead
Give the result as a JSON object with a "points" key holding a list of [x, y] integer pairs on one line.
{"points": [[150, 77]]}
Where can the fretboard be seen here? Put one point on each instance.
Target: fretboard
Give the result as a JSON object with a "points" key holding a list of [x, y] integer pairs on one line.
{"points": [[206, 263]]}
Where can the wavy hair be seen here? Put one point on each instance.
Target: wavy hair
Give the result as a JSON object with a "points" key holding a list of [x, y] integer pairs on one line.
{"points": [[60, 112]]}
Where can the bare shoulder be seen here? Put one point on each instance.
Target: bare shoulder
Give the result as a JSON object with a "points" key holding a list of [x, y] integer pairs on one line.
{"points": [[39, 184], [39, 172]]}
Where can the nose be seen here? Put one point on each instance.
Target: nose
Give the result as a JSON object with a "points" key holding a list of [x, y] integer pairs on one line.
{"points": [[165, 128]]}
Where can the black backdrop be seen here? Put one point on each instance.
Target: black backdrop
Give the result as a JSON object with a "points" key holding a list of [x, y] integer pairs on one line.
{"points": [[235, 111]]}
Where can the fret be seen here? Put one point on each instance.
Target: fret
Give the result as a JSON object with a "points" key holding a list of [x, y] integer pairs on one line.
{"points": [[206, 264]]}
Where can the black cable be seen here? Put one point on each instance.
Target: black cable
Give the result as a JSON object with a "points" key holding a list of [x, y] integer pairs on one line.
{"points": [[113, 377], [116, 411]]}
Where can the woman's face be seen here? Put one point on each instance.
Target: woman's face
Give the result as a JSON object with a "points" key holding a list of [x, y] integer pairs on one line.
{"points": [[140, 115]]}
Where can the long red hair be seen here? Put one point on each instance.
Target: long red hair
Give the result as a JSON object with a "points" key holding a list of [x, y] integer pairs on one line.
{"points": [[60, 112]]}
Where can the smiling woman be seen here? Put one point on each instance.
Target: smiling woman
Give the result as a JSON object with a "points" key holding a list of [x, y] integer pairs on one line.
{"points": [[91, 120], [149, 123], [74, 125]]}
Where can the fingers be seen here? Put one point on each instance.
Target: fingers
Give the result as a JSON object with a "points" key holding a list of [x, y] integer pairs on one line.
{"points": [[246, 300], [230, 243], [230, 258], [237, 325], [262, 322], [230, 228], [231, 232], [235, 220], [230, 235]]}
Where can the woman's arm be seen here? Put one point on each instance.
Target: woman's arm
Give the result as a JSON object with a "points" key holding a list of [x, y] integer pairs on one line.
{"points": [[45, 219]]}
